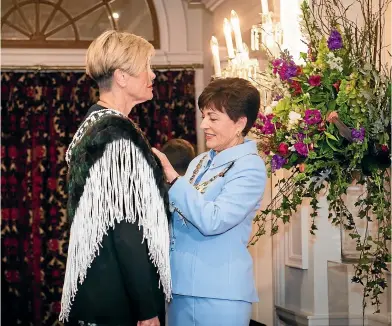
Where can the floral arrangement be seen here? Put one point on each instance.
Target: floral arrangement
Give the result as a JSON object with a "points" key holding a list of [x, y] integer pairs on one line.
{"points": [[330, 124]]}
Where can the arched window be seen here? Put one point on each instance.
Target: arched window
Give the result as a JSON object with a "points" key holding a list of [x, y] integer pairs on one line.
{"points": [[74, 23]]}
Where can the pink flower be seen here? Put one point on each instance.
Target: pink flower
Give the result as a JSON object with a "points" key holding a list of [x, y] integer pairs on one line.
{"points": [[283, 149], [266, 127], [301, 149], [314, 80], [312, 117]]}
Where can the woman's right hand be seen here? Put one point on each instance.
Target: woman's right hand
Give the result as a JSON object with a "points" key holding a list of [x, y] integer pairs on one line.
{"points": [[168, 169], [150, 322]]}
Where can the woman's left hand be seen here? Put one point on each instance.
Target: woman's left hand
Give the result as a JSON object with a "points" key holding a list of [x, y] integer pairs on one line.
{"points": [[168, 169]]}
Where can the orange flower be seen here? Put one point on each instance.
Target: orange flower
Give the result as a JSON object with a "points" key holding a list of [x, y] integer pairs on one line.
{"points": [[333, 115]]}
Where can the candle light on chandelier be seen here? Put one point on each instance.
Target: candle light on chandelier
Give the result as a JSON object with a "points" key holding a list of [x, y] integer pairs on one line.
{"points": [[235, 23], [267, 35], [229, 41], [264, 7], [238, 64], [215, 55]]}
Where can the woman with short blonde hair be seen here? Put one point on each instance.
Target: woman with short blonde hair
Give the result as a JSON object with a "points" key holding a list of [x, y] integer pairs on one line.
{"points": [[118, 268], [117, 50]]}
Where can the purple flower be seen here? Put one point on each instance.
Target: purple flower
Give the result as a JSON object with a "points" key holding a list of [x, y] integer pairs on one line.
{"points": [[301, 149], [300, 137], [285, 68], [312, 117], [289, 71], [277, 162], [358, 134], [335, 41], [277, 97], [276, 63], [267, 127]]}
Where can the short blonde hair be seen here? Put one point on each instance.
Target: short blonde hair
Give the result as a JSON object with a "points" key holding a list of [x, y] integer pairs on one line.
{"points": [[117, 50]]}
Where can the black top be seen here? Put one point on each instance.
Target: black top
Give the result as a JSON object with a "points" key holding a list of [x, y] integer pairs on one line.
{"points": [[121, 286]]}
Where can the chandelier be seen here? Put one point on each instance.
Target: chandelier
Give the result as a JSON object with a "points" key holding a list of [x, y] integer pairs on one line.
{"points": [[266, 36], [238, 64]]}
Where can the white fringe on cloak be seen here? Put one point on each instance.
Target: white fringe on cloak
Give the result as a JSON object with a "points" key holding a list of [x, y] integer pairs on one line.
{"points": [[120, 181]]}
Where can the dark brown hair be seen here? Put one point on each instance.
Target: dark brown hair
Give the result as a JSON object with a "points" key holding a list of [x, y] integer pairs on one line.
{"points": [[236, 97], [180, 153]]}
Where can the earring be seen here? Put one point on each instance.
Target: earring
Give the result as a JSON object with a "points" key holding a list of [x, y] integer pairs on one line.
{"points": [[238, 133]]}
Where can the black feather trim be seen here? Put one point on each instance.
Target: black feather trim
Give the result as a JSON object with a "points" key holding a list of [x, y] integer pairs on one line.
{"points": [[91, 148]]}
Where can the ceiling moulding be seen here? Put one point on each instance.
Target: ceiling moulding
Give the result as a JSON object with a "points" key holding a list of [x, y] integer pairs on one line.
{"points": [[196, 4], [76, 57], [211, 4]]}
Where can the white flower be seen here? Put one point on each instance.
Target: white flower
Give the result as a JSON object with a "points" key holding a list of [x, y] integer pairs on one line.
{"points": [[274, 103], [294, 118], [267, 110], [335, 63]]}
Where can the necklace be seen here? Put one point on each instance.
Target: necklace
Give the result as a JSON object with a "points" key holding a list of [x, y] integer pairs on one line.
{"points": [[138, 130], [202, 187], [85, 126]]}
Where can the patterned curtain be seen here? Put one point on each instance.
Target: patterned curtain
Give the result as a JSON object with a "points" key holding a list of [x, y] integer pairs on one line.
{"points": [[40, 114]]}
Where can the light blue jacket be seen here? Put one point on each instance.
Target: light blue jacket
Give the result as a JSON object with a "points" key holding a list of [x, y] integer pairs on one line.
{"points": [[209, 255]]}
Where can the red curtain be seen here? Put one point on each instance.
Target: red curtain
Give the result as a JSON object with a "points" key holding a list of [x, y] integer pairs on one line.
{"points": [[40, 114]]}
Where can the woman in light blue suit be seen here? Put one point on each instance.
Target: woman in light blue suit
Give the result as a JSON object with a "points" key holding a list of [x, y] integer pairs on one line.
{"points": [[213, 207]]}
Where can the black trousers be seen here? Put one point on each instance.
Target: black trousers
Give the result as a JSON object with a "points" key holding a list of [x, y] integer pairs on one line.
{"points": [[87, 323]]}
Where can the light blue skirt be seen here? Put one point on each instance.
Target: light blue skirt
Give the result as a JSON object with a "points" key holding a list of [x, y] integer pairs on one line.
{"points": [[196, 311]]}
